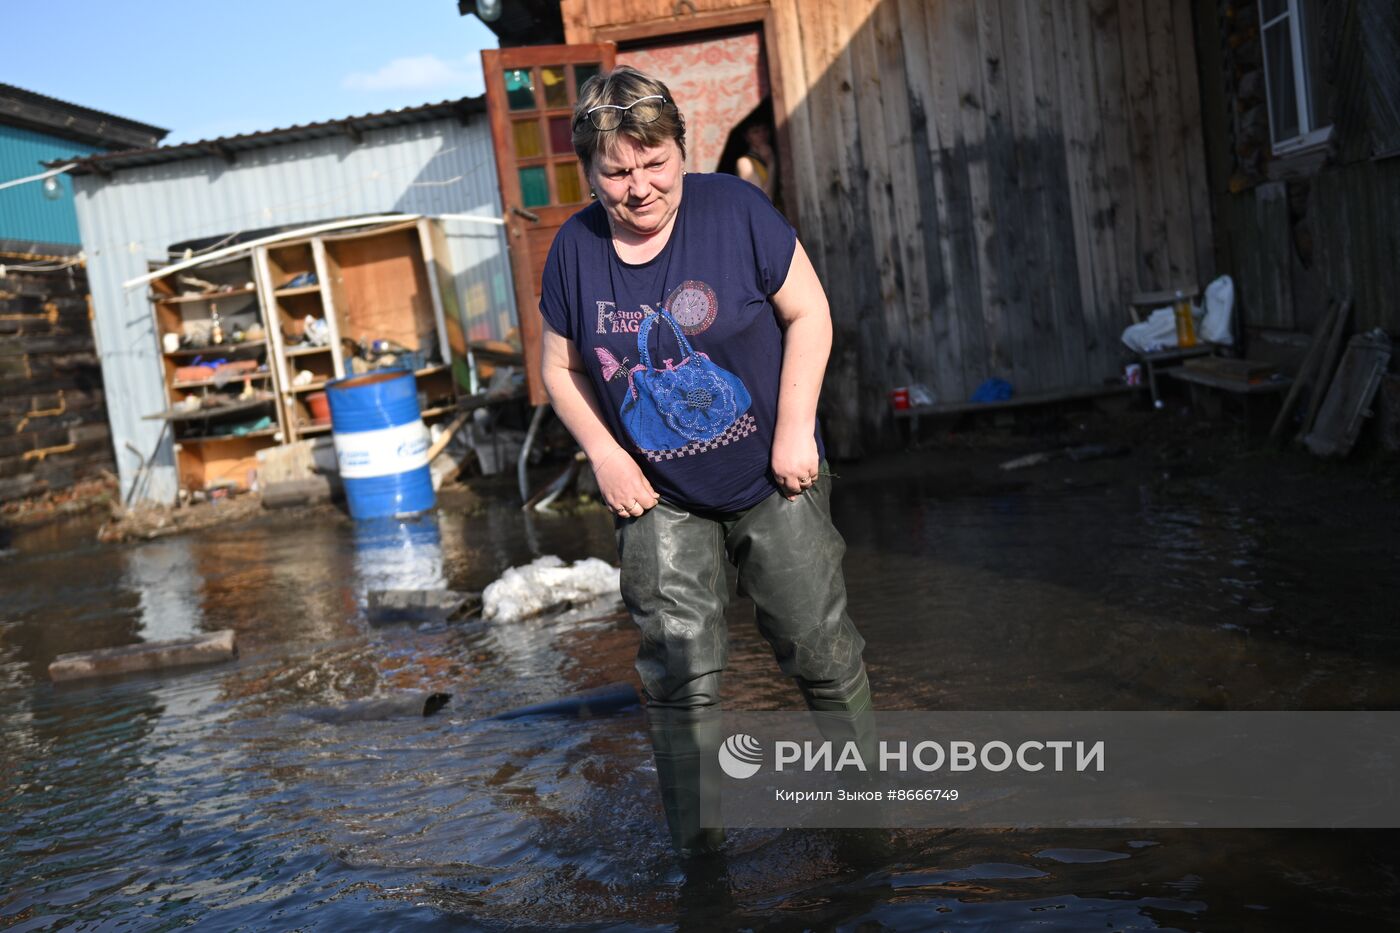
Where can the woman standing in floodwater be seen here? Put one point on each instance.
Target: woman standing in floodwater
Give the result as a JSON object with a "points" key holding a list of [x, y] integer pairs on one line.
{"points": [[686, 339]]}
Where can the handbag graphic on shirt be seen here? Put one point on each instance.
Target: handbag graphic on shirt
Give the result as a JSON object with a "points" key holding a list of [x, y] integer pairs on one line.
{"points": [[680, 403]]}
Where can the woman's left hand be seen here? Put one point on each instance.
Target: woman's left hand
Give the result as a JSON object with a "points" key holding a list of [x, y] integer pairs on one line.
{"points": [[795, 463]]}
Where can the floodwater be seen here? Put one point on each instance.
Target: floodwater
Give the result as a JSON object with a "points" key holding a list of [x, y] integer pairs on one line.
{"points": [[204, 798]]}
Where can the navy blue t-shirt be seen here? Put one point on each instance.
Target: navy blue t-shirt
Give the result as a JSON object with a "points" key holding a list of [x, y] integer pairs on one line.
{"points": [[700, 422]]}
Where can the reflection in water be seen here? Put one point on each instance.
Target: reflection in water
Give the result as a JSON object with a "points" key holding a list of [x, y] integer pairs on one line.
{"points": [[168, 587], [203, 798], [396, 554]]}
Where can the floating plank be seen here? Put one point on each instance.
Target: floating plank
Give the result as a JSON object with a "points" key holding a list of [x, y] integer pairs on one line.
{"points": [[150, 656]]}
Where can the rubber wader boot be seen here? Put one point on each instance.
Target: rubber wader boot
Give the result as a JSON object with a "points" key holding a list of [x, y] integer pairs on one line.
{"points": [[845, 714], [686, 744]]}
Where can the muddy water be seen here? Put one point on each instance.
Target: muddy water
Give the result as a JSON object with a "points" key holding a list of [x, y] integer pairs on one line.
{"points": [[206, 798]]}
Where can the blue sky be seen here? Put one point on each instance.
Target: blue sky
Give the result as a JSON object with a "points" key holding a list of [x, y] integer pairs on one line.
{"points": [[204, 69]]}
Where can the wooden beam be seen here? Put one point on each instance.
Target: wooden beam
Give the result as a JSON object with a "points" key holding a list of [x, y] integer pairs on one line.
{"points": [[628, 34]]}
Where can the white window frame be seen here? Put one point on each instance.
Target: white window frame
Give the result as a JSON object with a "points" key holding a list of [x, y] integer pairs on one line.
{"points": [[1308, 135]]}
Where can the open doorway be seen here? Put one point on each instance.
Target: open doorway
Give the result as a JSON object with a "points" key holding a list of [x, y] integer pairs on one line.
{"points": [[721, 82]]}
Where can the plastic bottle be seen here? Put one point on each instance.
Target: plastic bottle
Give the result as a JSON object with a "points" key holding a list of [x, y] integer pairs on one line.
{"points": [[216, 328], [1185, 323]]}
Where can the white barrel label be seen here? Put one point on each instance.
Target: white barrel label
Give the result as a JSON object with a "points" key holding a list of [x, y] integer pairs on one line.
{"points": [[383, 452]]}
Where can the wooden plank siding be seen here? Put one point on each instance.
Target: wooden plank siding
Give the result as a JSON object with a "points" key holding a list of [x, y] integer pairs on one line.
{"points": [[1296, 238], [981, 185]]}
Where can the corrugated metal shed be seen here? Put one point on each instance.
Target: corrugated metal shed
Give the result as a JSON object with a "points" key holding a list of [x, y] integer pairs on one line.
{"points": [[132, 206], [25, 214]]}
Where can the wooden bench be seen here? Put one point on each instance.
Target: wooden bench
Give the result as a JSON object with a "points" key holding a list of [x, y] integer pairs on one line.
{"points": [[1246, 379]]}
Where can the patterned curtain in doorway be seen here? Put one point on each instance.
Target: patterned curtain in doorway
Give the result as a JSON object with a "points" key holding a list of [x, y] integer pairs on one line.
{"points": [[716, 82]]}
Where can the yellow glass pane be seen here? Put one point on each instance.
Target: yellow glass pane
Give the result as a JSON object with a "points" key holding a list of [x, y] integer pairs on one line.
{"points": [[556, 86], [566, 183], [529, 142]]}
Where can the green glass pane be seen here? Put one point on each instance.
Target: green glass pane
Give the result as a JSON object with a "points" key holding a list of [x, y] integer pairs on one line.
{"points": [[561, 136], [520, 89], [534, 186], [528, 143], [566, 183], [556, 86], [583, 72]]}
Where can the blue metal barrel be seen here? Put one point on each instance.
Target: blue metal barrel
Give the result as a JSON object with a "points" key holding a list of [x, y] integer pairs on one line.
{"points": [[381, 444]]}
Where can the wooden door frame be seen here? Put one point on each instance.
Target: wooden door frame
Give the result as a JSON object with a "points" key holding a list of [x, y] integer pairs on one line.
{"points": [[654, 32], [524, 280]]}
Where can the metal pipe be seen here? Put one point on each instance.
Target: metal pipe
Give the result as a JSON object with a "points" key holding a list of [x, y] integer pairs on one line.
{"points": [[535, 421]]}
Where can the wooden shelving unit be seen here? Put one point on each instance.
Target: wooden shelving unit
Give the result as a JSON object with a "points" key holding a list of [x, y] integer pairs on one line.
{"points": [[187, 305], [348, 291], [371, 285], [300, 309]]}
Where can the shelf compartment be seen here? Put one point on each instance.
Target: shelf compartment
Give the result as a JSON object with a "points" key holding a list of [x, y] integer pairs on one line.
{"points": [[217, 438], [305, 351], [214, 383], [310, 387], [218, 348], [298, 290], [381, 289], [178, 415], [212, 296]]}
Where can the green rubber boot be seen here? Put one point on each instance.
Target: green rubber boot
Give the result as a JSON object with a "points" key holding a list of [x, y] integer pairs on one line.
{"points": [[685, 743]]}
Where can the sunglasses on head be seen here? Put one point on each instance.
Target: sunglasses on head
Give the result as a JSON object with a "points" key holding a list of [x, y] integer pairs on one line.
{"points": [[642, 110]]}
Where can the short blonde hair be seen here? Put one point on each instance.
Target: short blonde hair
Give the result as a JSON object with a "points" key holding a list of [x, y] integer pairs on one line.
{"points": [[620, 87]]}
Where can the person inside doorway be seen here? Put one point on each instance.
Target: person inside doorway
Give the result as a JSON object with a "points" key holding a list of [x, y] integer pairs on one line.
{"points": [[749, 152]]}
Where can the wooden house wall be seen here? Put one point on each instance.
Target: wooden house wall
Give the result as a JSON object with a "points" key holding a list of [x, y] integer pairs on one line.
{"points": [[53, 414], [1297, 234], [981, 185]]}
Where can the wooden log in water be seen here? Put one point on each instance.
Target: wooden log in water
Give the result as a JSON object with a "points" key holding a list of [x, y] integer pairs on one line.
{"points": [[374, 709], [149, 656]]}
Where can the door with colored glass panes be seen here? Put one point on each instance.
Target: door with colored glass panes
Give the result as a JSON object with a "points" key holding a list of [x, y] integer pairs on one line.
{"points": [[530, 94]]}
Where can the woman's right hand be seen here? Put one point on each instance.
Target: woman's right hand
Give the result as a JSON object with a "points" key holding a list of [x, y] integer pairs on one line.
{"points": [[624, 487]]}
